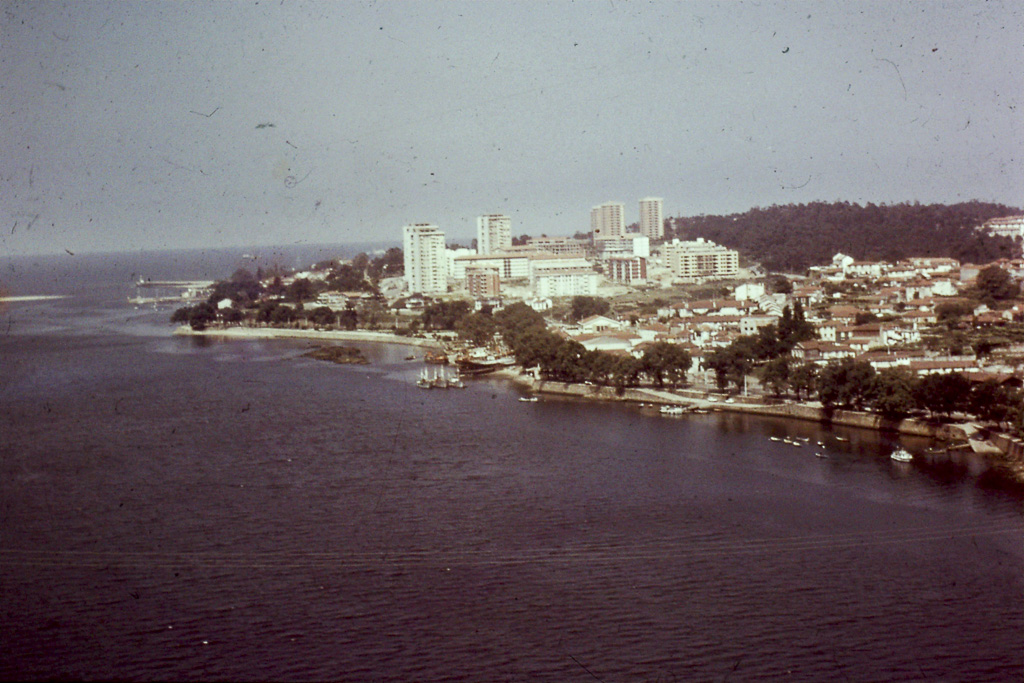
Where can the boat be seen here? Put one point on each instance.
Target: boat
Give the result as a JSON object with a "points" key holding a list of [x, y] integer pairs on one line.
{"points": [[528, 399], [820, 455], [424, 382], [672, 410], [774, 438], [482, 366], [841, 438], [901, 455]]}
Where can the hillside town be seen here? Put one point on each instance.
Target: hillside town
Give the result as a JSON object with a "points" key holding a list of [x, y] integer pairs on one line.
{"points": [[619, 295]]}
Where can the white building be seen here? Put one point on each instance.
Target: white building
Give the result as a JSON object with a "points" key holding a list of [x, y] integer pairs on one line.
{"points": [[700, 260], [493, 233], [1009, 226], [634, 245], [426, 264], [607, 221], [510, 266], [563, 277], [652, 224]]}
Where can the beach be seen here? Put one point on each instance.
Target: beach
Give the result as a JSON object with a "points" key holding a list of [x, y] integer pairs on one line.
{"points": [[320, 335]]}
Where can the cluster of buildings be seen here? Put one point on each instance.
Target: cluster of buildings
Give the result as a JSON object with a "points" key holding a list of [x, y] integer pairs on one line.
{"points": [[1007, 226], [561, 266], [870, 311]]}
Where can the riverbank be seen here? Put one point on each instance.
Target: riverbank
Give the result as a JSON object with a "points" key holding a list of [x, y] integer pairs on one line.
{"points": [[999, 450], [318, 335]]}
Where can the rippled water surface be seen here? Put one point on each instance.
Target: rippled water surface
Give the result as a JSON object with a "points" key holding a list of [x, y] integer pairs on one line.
{"points": [[186, 509]]}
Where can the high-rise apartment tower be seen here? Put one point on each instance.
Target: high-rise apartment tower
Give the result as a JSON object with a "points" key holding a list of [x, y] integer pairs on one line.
{"points": [[426, 269], [607, 221], [651, 222], [493, 233]]}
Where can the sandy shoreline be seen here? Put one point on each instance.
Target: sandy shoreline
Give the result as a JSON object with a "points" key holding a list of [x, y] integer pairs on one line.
{"points": [[33, 297], [320, 335]]}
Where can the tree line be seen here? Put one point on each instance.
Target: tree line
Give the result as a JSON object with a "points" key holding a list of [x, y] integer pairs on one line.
{"points": [[275, 303], [792, 237]]}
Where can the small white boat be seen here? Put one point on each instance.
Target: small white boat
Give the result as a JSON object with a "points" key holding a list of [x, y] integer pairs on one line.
{"points": [[901, 455], [841, 438], [527, 399], [672, 410], [774, 438]]}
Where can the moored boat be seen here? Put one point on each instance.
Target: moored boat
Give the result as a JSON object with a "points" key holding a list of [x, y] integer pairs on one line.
{"points": [[901, 455]]}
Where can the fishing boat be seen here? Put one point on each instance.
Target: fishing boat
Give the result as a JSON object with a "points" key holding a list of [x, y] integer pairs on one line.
{"points": [[901, 455]]}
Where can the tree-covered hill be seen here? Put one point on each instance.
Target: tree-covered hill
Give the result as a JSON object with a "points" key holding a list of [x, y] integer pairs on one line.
{"points": [[792, 237]]}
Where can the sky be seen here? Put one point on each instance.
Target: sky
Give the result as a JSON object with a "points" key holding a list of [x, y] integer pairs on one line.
{"points": [[160, 125]]}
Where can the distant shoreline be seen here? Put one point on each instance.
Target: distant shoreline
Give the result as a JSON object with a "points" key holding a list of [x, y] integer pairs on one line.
{"points": [[320, 335], [33, 297]]}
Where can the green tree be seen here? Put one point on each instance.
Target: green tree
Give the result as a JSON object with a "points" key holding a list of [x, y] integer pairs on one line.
{"points": [[322, 316], [445, 315], [775, 374], [730, 364], [995, 283], [943, 393], [585, 306], [663, 362], [994, 402], [477, 328], [348, 319], [283, 315], [201, 316], [803, 379], [845, 383], [301, 290], [892, 392]]}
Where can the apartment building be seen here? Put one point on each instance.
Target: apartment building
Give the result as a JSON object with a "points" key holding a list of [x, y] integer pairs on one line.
{"points": [[607, 221], [652, 223], [493, 233], [699, 259], [426, 264]]}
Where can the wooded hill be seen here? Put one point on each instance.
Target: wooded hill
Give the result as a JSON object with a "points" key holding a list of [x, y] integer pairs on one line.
{"points": [[793, 237]]}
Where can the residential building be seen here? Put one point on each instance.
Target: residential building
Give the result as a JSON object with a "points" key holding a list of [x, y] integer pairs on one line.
{"points": [[626, 269], [699, 260], [559, 246], [493, 233], [563, 277], [632, 245], [652, 224], [1009, 226], [426, 265], [483, 282], [510, 265], [607, 221]]}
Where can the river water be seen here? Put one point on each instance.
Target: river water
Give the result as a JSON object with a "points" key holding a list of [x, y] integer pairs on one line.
{"points": [[188, 509]]}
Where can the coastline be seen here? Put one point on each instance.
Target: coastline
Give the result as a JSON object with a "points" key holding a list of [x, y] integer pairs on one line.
{"points": [[999, 452], [322, 335], [1005, 453]]}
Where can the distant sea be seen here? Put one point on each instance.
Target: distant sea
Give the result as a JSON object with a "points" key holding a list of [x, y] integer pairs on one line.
{"points": [[193, 509]]}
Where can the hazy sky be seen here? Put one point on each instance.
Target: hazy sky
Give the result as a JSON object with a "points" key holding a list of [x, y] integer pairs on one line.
{"points": [[129, 125]]}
